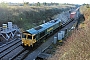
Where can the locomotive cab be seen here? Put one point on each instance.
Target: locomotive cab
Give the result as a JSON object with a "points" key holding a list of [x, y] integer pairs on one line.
{"points": [[28, 39]]}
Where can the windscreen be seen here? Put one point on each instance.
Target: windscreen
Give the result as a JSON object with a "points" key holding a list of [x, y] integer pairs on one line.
{"points": [[29, 37], [23, 36]]}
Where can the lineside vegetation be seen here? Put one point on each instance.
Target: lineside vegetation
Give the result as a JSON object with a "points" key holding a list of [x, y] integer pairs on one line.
{"points": [[77, 46], [27, 17]]}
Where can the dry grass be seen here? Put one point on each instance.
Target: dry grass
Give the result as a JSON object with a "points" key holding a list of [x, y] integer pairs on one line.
{"points": [[77, 46]]}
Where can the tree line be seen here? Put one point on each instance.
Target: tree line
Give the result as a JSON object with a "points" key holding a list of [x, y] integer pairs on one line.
{"points": [[28, 4]]}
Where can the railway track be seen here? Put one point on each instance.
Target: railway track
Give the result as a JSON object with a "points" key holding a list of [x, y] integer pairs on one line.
{"points": [[22, 55], [5, 47], [14, 50], [7, 43], [14, 53], [9, 48]]}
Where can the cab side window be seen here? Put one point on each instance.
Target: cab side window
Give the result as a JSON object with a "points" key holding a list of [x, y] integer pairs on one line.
{"points": [[34, 37], [23, 36]]}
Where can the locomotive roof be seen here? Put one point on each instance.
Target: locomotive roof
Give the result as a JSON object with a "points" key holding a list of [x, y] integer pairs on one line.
{"points": [[43, 27]]}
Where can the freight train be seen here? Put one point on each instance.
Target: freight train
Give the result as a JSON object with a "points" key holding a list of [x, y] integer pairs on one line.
{"points": [[33, 35]]}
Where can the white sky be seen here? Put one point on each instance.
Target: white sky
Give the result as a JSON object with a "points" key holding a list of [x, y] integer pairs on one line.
{"points": [[57, 1]]}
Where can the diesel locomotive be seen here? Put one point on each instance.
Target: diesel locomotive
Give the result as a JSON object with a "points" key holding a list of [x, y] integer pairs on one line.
{"points": [[33, 35]]}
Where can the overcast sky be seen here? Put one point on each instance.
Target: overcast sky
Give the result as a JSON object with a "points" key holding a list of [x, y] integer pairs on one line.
{"points": [[57, 1]]}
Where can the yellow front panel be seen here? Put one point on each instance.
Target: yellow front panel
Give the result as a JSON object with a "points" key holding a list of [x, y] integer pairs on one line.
{"points": [[24, 42], [28, 42]]}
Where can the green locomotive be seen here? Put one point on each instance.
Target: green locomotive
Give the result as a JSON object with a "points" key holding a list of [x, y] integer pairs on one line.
{"points": [[33, 35]]}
